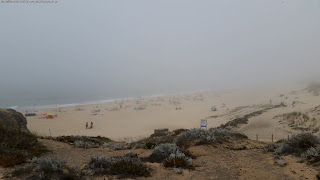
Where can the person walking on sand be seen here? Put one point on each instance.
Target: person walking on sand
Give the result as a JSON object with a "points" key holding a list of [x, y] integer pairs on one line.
{"points": [[91, 126], [86, 125], [293, 103]]}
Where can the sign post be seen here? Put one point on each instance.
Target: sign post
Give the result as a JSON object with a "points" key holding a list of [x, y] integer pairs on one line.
{"points": [[203, 123]]}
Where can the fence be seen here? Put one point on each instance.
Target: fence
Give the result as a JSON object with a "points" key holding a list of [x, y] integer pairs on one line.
{"points": [[268, 138]]}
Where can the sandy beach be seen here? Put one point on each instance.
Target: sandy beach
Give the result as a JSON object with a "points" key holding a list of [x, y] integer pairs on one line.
{"points": [[132, 119]]}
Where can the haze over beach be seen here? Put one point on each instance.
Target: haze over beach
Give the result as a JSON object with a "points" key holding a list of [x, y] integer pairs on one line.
{"points": [[129, 49], [159, 89]]}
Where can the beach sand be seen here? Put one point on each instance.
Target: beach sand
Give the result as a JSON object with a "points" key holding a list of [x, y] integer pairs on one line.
{"points": [[125, 121]]}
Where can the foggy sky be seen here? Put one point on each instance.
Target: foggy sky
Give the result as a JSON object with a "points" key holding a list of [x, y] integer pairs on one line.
{"points": [[119, 47]]}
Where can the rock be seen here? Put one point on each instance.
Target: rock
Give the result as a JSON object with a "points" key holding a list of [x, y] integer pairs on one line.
{"points": [[12, 119]]}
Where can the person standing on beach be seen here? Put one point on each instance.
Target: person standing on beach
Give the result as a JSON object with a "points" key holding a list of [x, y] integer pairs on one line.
{"points": [[86, 125], [91, 126]]}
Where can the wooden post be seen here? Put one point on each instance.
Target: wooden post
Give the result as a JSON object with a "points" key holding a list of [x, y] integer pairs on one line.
{"points": [[272, 138], [256, 137]]}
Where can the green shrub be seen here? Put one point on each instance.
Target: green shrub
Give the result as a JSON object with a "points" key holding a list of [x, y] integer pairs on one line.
{"points": [[162, 151], [298, 144], [269, 148], [179, 160]]}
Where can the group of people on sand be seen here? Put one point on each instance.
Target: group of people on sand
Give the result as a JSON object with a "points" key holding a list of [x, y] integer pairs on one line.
{"points": [[91, 125]]}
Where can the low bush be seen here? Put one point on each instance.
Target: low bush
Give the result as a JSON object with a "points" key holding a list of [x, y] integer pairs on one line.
{"points": [[171, 156], [210, 136], [150, 145], [85, 144], [46, 168], [298, 144], [269, 148], [49, 168], [128, 165], [178, 160], [48, 165], [162, 151], [281, 162], [152, 141], [312, 156]]}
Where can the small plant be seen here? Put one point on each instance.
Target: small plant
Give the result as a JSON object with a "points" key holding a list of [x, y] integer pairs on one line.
{"points": [[269, 148], [178, 159], [162, 151], [310, 153], [281, 162]]}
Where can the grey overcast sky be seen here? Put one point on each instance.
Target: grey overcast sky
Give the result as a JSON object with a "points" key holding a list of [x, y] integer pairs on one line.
{"points": [[122, 47]]}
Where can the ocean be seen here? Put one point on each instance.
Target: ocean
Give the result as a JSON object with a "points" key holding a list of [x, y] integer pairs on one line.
{"points": [[44, 101]]}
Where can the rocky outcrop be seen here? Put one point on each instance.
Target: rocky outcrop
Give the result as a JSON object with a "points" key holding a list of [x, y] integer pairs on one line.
{"points": [[17, 143], [12, 119]]}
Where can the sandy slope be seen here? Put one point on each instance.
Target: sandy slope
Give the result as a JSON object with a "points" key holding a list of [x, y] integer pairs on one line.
{"points": [[265, 125]]}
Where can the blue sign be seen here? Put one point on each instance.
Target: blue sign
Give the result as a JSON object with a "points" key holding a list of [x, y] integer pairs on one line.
{"points": [[203, 123]]}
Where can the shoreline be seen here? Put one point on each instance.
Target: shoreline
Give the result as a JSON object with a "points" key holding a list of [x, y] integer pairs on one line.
{"points": [[104, 101]]}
